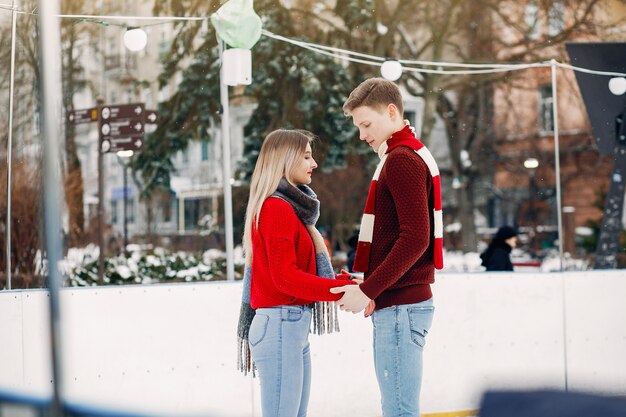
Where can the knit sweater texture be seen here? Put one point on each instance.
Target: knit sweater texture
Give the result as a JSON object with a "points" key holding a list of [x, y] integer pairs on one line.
{"points": [[283, 261], [401, 265]]}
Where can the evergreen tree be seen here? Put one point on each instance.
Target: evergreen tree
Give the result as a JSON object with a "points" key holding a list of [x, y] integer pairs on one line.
{"points": [[292, 88]]}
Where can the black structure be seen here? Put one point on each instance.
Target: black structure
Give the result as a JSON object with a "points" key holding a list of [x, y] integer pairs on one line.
{"points": [[607, 113]]}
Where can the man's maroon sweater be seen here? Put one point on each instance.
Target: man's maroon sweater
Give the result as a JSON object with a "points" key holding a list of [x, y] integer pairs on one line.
{"points": [[401, 265]]}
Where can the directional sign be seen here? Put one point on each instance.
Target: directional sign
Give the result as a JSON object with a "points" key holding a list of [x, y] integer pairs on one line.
{"points": [[151, 116], [121, 127], [81, 116], [122, 111]]}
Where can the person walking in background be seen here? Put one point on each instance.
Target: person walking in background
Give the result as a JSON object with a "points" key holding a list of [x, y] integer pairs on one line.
{"points": [[352, 243], [287, 269], [400, 244], [497, 256]]}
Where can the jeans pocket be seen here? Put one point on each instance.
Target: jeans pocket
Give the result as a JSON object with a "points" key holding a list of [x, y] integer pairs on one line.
{"points": [[258, 328], [420, 320], [292, 315]]}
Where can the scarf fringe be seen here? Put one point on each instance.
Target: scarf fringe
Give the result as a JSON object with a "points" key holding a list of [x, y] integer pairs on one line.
{"points": [[325, 319], [244, 358]]}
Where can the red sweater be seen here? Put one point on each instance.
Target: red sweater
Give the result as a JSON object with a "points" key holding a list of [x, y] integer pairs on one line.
{"points": [[401, 266], [283, 261]]}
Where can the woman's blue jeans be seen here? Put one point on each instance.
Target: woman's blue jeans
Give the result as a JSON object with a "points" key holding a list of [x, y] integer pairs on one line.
{"points": [[279, 343], [399, 338]]}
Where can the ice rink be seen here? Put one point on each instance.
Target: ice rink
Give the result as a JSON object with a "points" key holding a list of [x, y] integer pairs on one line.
{"points": [[171, 349]]}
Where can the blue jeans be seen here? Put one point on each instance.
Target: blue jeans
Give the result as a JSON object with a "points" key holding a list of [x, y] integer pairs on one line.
{"points": [[399, 338], [279, 343]]}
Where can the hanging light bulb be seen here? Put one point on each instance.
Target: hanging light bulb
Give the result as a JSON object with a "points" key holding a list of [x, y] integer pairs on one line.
{"points": [[391, 70], [617, 85], [135, 39]]}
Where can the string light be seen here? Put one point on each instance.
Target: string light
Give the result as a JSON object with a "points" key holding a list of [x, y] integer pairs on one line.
{"points": [[362, 58], [135, 39], [391, 70], [617, 85]]}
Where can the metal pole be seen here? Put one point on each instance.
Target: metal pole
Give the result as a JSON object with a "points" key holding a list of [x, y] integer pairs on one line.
{"points": [[125, 209], [557, 161], [10, 144], [50, 52], [100, 102], [228, 203]]}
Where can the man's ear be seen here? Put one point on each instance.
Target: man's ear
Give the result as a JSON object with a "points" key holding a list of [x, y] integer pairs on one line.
{"points": [[393, 111]]}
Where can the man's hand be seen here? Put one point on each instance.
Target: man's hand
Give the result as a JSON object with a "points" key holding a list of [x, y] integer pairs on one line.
{"points": [[369, 309], [353, 300]]}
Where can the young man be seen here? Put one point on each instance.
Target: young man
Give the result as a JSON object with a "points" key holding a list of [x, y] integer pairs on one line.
{"points": [[399, 245]]}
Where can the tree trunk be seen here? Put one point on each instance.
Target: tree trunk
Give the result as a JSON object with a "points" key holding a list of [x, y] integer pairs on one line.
{"points": [[74, 188]]}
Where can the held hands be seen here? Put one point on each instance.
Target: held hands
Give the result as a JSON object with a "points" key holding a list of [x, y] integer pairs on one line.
{"points": [[353, 300]]}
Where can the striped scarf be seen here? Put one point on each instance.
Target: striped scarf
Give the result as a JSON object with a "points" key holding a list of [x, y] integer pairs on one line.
{"points": [[404, 137], [307, 207]]}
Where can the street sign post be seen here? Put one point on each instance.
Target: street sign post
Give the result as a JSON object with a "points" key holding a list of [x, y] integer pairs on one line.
{"points": [[77, 117], [121, 127]]}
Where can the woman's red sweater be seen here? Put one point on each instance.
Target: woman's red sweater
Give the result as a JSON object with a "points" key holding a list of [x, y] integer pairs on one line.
{"points": [[283, 261]]}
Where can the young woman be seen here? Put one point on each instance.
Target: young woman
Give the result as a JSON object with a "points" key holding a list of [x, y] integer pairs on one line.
{"points": [[288, 269]]}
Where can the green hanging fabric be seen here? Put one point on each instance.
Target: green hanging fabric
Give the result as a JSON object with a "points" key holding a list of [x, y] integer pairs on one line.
{"points": [[237, 24]]}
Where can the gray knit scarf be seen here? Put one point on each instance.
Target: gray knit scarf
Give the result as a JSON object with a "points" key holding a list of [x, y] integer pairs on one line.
{"points": [[307, 207]]}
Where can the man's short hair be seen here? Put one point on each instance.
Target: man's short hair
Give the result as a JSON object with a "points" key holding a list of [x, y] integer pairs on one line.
{"points": [[376, 93]]}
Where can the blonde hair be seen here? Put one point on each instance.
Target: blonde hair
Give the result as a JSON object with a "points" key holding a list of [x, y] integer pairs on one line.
{"points": [[280, 152], [375, 93]]}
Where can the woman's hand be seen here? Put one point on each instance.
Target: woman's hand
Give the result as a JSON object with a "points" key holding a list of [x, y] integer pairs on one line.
{"points": [[369, 309]]}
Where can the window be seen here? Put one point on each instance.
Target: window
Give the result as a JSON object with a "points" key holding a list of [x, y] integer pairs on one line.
{"points": [[545, 109], [114, 211], [531, 18], [410, 116], [205, 150], [555, 18], [130, 207], [166, 207], [164, 45], [185, 155]]}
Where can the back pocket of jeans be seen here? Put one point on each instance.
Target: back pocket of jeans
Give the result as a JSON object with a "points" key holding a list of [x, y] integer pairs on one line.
{"points": [[420, 320], [258, 328]]}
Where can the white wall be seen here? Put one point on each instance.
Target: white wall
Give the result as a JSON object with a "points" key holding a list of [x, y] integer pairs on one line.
{"points": [[171, 349]]}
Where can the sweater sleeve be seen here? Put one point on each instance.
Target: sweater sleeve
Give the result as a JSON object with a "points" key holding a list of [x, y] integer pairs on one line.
{"points": [[278, 226], [408, 181]]}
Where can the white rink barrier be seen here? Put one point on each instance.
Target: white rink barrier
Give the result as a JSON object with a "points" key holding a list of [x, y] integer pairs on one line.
{"points": [[171, 349]]}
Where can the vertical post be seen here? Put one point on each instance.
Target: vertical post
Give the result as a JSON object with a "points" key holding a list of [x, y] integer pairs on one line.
{"points": [[228, 202], [124, 166], [50, 51], [181, 214], [533, 210], [557, 161], [10, 144], [100, 103]]}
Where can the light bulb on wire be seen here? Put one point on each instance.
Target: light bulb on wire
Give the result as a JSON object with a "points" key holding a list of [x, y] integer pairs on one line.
{"points": [[391, 70], [617, 85], [135, 39]]}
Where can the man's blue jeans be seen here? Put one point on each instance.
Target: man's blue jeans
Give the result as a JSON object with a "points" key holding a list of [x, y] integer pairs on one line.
{"points": [[399, 338], [279, 343]]}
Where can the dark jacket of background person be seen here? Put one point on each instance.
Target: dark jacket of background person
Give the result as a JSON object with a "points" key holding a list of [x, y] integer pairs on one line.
{"points": [[497, 256], [352, 242]]}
